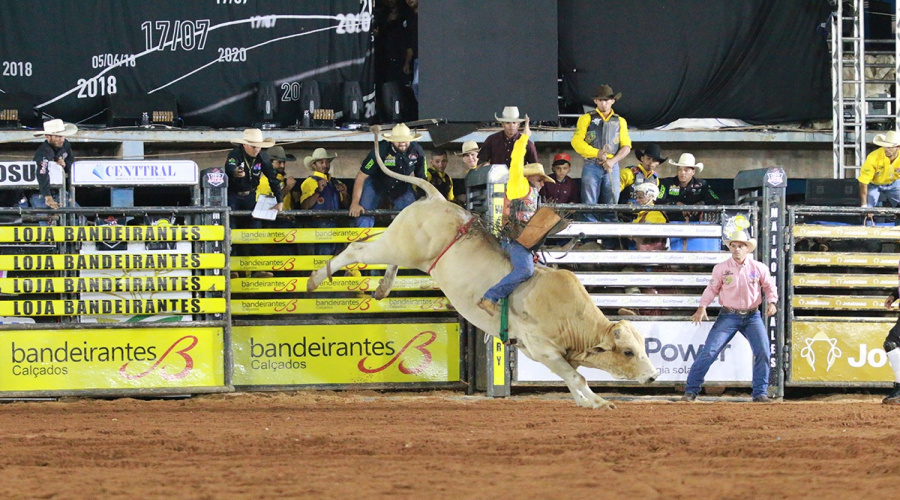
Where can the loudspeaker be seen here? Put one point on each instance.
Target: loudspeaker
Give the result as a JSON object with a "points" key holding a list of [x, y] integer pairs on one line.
{"points": [[127, 110], [352, 102], [266, 100], [832, 192], [17, 108], [390, 102]]}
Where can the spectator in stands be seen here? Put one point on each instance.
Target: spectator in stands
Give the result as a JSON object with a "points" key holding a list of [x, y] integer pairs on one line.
{"points": [[739, 283], [645, 195], [55, 149], [892, 348], [437, 174], [245, 165], [522, 194], [469, 154], [411, 62], [371, 186], [686, 189], [564, 188], [645, 171], [321, 191], [879, 177], [601, 137], [498, 147]]}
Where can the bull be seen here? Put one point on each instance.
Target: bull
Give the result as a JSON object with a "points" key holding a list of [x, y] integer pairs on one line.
{"points": [[551, 316]]}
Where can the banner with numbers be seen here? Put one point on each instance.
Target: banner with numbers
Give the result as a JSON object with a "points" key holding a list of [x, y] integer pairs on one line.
{"points": [[68, 57]]}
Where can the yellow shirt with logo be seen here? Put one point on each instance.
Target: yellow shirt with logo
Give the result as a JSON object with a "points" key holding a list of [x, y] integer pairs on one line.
{"points": [[878, 169], [264, 189]]}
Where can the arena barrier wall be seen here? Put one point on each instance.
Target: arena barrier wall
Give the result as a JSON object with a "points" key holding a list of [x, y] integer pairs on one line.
{"points": [[843, 265], [150, 317]]}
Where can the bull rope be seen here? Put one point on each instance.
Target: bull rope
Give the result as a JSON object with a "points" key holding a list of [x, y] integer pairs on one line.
{"points": [[462, 231]]}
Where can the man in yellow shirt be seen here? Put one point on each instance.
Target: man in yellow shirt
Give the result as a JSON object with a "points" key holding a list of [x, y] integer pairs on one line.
{"points": [[601, 137], [879, 177]]}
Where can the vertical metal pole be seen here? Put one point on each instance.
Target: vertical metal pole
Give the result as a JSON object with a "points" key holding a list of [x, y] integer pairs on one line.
{"points": [[772, 229], [497, 363]]}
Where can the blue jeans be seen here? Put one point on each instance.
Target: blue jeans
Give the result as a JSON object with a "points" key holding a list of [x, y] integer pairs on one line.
{"points": [[523, 267], [370, 199], [753, 329], [888, 193], [599, 186]]}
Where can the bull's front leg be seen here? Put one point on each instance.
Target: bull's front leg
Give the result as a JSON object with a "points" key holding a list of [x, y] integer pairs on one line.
{"points": [[576, 383], [386, 283], [363, 252]]}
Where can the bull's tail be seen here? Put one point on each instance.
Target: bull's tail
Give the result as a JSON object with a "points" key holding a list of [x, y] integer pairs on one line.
{"points": [[429, 190]]}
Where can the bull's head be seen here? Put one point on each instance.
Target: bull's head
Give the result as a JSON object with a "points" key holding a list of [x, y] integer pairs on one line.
{"points": [[621, 353]]}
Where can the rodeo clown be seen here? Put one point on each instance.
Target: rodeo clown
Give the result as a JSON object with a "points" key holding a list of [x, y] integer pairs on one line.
{"points": [[892, 348], [520, 205]]}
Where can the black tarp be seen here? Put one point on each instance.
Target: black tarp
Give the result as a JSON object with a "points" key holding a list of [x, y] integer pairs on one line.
{"points": [[57, 52], [762, 61]]}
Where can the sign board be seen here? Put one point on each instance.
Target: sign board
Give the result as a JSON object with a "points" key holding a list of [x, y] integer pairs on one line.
{"points": [[830, 351], [135, 173], [24, 174]]}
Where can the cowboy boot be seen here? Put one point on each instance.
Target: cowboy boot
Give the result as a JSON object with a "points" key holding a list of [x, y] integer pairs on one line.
{"points": [[894, 397]]}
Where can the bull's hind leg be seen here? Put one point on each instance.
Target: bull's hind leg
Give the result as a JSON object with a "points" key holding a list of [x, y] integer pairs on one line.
{"points": [[576, 383], [363, 252], [386, 283]]}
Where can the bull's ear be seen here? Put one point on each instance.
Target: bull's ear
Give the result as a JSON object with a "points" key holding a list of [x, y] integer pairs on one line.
{"points": [[602, 347]]}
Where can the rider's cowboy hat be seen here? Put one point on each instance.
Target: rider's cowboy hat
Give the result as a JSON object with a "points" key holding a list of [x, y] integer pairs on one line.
{"points": [[606, 92], [536, 169], [57, 127]]}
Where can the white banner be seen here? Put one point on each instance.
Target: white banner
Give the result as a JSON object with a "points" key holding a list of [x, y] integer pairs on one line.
{"points": [[24, 173], [134, 173], [672, 346]]}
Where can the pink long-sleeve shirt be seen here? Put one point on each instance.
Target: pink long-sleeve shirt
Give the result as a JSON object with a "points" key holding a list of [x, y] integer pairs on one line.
{"points": [[740, 286]]}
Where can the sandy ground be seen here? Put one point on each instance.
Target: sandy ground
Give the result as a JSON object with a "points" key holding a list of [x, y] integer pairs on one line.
{"points": [[446, 445]]}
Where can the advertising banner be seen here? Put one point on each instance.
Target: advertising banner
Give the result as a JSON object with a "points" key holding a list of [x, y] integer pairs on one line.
{"points": [[291, 263], [672, 347], [56, 234], [336, 284], [71, 262], [839, 352], [24, 174], [338, 306], [15, 286], [57, 360], [134, 173], [345, 354], [305, 235]]}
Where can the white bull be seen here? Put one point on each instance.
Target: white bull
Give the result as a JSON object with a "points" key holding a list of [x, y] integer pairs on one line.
{"points": [[551, 315]]}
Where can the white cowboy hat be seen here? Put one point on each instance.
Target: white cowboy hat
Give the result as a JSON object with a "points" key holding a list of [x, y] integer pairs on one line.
{"points": [[57, 127], [536, 169], [318, 154], [510, 114], [253, 137], [688, 160], [468, 147], [648, 188], [888, 140], [401, 133], [742, 237]]}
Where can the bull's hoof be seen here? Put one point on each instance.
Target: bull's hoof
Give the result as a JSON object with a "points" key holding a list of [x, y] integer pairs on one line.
{"points": [[311, 284]]}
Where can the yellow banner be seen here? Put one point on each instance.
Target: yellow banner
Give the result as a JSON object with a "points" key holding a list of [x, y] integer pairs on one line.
{"points": [[51, 234], [106, 285], [107, 307], [342, 284], [365, 305], [304, 235], [846, 280], [345, 354], [853, 302], [291, 263], [498, 362], [139, 358], [149, 261], [845, 232], [839, 352], [846, 259]]}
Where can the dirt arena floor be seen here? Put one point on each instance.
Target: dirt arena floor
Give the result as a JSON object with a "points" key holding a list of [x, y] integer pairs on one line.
{"points": [[447, 445]]}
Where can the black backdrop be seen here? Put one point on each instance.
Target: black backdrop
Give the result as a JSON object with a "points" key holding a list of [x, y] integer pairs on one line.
{"points": [[763, 61], [52, 49]]}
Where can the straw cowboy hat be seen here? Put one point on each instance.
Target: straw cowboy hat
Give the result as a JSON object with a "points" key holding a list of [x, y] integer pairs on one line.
{"points": [[510, 115], [58, 127], [536, 169], [742, 237], [606, 92], [253, 137], [468, 147], [318, 154], [653, 151], [401, 133], [277, 153], [688, 160], [888, 140]]}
